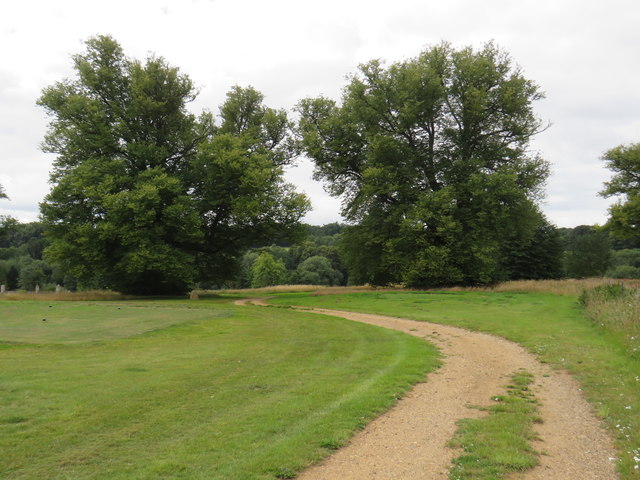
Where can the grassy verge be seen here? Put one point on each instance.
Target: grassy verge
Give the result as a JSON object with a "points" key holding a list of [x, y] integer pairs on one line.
{"points": [[213, 392], [500, 443], [616, 308], [572, 287], [554, 327]]}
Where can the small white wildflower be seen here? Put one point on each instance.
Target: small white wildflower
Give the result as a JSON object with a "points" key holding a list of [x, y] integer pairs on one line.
{"points": [[628, 407]]}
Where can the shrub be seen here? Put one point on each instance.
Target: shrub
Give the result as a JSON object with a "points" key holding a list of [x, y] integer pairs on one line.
{"points": [[267, 271], [624, 271]]}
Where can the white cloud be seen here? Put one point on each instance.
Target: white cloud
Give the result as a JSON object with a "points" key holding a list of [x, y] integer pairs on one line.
{"points": [[583, 54]]}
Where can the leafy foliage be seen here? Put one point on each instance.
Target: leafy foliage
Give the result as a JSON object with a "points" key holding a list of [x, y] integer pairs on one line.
{"points": [[320, 243], [588, 252], [21, 253], [317, 270], [146, 197], [32, 274], [625, 264], [12, 277], [430, 157], [267, 271], [535, 258], [624, 161]]}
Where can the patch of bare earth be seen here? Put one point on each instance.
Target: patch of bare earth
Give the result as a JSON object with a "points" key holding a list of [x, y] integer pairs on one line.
{"points": [[410, 440]]}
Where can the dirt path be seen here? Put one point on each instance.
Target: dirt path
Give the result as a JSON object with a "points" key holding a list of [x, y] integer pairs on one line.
{"points": [[409, 441]]}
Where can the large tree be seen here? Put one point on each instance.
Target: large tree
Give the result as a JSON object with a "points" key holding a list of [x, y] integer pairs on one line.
{"points": [[430, 157], [624, 161], [587, 252], [537, 257], [148, 198], [267, 271]]}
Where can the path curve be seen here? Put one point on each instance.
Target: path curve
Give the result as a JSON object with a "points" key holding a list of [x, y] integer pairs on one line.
{"points": [[410, 440]]}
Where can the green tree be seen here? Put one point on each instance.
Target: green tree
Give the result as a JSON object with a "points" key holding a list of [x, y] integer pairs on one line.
{"points": [[317, 270], [4, 268], [431, 159], [8, 230], [32, 274], [624, 161], [13, 274], [246, 268], [535, 258], [3, 194], [267, 271], [588, 252], [147, 198]]}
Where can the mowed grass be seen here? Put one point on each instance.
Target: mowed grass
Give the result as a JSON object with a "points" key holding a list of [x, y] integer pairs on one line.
{"points": [[554, 327], [69, 322], [193, 390]]}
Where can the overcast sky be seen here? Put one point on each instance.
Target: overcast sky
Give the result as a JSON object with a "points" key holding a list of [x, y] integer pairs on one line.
{"points": [[584, 54]]}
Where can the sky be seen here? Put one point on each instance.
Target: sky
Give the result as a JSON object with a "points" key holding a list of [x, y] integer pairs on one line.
{"points": [[584, 54]]}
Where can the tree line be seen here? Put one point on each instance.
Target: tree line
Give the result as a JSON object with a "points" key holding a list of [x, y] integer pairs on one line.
{"points": [[430, 157], [319, 259]]}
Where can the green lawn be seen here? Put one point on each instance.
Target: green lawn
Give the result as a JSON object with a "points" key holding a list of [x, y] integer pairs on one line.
{"points": [[80, 322], [552, 326], [192, 390]]}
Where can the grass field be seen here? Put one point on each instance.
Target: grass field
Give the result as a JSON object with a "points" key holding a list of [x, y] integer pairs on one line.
{"points": [[188, 390], [38, 322], [554, 327]]}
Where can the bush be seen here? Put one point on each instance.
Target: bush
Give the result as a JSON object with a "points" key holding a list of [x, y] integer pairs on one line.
{"points": [[31, 275], [317, 270], [12, 278], [624, 271], [267, 271]]}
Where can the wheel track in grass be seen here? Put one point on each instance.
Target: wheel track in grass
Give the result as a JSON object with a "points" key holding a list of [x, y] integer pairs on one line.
{"points": [[410, 440]]}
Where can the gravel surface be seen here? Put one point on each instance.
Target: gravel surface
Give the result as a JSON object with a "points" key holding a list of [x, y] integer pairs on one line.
{"points": [[410, 440]]}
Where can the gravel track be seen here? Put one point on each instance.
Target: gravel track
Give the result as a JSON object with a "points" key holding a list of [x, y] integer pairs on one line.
{"points": [[410, 440]]}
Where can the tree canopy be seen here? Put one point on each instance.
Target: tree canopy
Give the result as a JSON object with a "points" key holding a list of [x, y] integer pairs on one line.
{"points": [[148, 198], [588, 252], [624, 161], [431, 159]]}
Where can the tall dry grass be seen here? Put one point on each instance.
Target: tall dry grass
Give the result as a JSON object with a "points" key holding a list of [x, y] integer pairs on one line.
{"points": [[559, 287], [313, 289], [65, 296], [571, 286], [616, 308]]}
